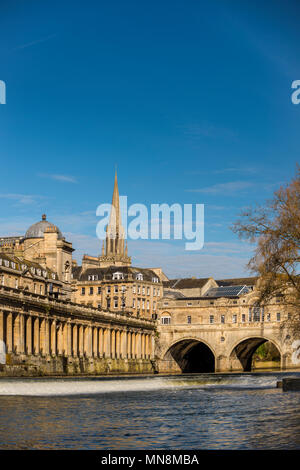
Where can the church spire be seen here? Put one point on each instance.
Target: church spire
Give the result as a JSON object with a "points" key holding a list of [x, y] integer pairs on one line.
{"points": [[115, 235]]}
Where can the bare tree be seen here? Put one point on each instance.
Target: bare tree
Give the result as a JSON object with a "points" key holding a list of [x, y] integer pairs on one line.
{"points": [[275, 228]]}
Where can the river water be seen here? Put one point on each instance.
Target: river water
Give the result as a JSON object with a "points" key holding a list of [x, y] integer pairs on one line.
{"points": [[205, 411]]}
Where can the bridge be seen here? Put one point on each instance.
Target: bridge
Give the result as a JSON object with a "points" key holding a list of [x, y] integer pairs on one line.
{"points": [[221, 334]]}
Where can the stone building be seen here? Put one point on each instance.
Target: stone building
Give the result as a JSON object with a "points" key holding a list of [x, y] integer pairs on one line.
{"points": [[109, 281], [207, 325], [43, 244]]}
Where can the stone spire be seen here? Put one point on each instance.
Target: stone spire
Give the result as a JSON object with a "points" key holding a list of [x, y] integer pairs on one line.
{"points": [[115, 253]]}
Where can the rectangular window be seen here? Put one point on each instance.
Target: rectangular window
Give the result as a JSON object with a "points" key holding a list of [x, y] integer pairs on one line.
{"points": [[165, 320], [268, 317], [108, 303], [139, 289], [148, 305], [83, 291], [234, 318], [143, 290], [189, 319], [154, 306], [211, 319], [158, 292], [99, 290], [116, 289], [243, 318], [133, 289], [278, 316], [108, 289], [91, 290], [115, 303], [222, 318], [148, 290], [154, 291], [143, 304], [133, 303]]}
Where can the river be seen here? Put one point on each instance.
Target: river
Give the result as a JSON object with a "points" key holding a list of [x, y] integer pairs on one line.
{"points": [[204, 411]]}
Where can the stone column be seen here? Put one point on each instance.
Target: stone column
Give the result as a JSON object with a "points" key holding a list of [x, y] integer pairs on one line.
{"points": [[95, 342], [142, 345], [90, 342], [124, 352], [2, 326], [69, 339], [42, 336], [113, 344], [138, 345], [100, 342], [36, 337], [133, 352], [152, 344], [47, 337], [21, 347], [81, 340], [75, 341], [118, 341], [16, 332], [65, 339], [29, 335], [107, 342], [129, 345], [9, 333], [53, 346], [60, 339]]}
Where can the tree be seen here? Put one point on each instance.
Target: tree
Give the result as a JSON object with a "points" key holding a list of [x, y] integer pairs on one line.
{"points": [[275, 228]]}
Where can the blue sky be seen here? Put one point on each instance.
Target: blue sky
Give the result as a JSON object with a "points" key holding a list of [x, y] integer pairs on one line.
{"points": [[190, 99]]}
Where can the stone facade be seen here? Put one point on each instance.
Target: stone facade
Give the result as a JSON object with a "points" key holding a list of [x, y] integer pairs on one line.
{"points": [[107, 316], [222, 332]]}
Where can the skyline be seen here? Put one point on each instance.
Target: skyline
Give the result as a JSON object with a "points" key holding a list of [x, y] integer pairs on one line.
{"points": [[137, 87]]}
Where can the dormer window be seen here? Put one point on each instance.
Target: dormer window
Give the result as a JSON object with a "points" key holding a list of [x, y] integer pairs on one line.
{"points": [[6, 263], [155, 279], [139, 277], [53, 276], [13, 265], [32, 270], [93, 277], [117, 276], [45, 273], [39, 272], [23, 267]]}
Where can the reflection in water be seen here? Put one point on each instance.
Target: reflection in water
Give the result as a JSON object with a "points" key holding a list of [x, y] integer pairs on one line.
{"points": [[239, 411]]}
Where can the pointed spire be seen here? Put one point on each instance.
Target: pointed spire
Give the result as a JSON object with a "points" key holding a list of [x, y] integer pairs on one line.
{"points": [[115, 215]]}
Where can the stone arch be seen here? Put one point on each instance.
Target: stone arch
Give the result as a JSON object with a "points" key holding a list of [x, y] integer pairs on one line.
{"points": [[191, 355], [243, 350]]}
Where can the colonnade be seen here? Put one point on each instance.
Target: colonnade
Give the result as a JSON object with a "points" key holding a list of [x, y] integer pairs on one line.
{"points": [[28, 334]]}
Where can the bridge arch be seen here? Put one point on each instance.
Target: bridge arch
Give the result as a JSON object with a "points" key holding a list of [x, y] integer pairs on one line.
{"points": [[244, 349], [192, 355]]}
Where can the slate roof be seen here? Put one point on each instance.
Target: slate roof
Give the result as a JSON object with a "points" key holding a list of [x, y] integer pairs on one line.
{"points": [[185, 283], [106, 273]]}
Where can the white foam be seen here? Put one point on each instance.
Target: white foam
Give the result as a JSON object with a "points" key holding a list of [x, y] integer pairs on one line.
{"points": [[60, 387]]}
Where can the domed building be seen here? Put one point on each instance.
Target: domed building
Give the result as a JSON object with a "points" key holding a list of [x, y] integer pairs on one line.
{"points": [[38, 229], [44, 244]]}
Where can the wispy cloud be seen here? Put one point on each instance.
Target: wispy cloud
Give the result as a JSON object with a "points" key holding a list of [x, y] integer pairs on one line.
{"points": [[21, 198], [210, 131], [221, 171], [33, 43], [57, 177], [225, 188]]}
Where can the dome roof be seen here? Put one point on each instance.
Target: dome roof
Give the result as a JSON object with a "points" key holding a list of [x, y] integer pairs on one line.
{"points": [[37, 230]]}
